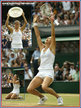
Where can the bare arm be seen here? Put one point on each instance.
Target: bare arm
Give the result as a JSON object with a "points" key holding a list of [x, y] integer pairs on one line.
{"points": [[16, 82], [9, 81], [37, 33], [25, 22], [53, 41], [7, 20], [31, 60], [3, 44]]}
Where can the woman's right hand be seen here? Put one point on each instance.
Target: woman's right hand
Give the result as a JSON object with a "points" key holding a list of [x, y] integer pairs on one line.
{"points": [[52, 18], [35, 18]]}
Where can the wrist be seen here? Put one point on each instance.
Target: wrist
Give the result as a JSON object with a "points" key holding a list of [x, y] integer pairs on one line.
{"points": [[52, 20], [35, 24]]}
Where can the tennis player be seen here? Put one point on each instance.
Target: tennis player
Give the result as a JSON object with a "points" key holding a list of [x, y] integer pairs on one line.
{"points": [[16, 87], [45, 75], [16, 33]]}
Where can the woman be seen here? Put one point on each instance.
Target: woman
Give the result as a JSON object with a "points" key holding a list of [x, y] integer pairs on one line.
{"points": [[16, 32], [45, 75], [4, 42], [16, 87]]}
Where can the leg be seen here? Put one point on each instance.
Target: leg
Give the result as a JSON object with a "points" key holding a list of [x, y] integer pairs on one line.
{"points": [[45, 86], [9, 96], [14, 96], [36, 82]]}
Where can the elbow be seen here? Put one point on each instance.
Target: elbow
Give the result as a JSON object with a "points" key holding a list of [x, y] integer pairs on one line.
{"points": [[26, 22]]}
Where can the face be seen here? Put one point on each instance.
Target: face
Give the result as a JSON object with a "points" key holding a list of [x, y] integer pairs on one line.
{"points": [[72, 66], [76, 15], [71, 16], [26, 68], [15, 76], [65, 65], [17, 24], [48, 41], [67, 72], [58, 18], [76, 9], [47, 21], [25, 65], [22, 55], [65, 17], [37, 49], [77, 69], [12, 55], [56, 68]]}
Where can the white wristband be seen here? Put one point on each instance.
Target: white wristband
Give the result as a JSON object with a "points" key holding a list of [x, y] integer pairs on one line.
{"points": [[35, 24]]}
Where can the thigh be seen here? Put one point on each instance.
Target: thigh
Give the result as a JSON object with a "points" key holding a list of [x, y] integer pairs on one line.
{"points": [[9, 95], [36, 82], [14, 96], [47, 81]]}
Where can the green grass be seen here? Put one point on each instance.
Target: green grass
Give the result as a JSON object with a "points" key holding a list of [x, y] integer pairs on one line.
{"points": [[31, 100]]}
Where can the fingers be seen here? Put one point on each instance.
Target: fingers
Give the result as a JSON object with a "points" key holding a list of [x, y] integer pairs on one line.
{"points": [[52, 17], [23, 13], [8, 15]]}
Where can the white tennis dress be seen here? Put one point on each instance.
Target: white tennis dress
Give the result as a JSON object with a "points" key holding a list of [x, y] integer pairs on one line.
{"points": [[46, 66], [16, 89], [16, 39]]}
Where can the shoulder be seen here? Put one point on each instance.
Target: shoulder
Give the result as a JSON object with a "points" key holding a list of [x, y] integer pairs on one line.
{"points": [[42, 48], [17, 82], [53, 51], [29, 70], [34, 52], [21, 30]]}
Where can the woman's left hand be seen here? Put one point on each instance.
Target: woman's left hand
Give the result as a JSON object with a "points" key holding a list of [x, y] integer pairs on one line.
{"points": [[52, 17]]}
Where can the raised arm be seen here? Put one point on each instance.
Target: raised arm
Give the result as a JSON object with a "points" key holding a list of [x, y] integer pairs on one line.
{"points": [[37, 33], [16, 82], [7, 20], [25, 22], [9, 80], [53, 41]]}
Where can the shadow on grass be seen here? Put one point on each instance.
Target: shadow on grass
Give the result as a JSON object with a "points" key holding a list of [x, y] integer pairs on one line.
{"points": [[46, 105]]}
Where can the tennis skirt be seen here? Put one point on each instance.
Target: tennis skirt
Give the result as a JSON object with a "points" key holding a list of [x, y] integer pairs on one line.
{"points": [[15, 91], [16, 46], [45, 73]]}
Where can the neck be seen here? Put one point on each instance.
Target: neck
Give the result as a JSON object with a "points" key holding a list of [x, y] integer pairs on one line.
{"points": [[46, 46], [17, 29]]}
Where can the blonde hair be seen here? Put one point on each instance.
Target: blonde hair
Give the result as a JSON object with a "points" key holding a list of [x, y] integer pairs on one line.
{"points": [[17, 22], [49, 37]]}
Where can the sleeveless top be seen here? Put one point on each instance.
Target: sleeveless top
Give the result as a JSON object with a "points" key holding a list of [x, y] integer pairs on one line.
{"points": [[47, 59], [16, 86], [17, 37]]}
